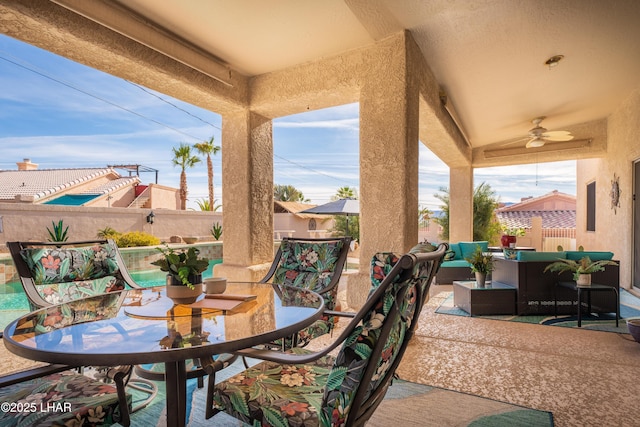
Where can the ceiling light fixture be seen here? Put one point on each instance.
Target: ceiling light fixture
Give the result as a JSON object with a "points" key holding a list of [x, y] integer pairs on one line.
{"points": [[553, 61]]}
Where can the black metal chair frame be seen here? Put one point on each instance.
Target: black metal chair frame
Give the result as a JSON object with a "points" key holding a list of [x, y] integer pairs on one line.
{"points": [[410, 266]]}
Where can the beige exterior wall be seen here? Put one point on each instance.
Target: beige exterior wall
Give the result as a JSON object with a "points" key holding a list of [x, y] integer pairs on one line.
{"points": [[120, 198], [299, 226], [614, 229], [30, 222], [164, 197]]}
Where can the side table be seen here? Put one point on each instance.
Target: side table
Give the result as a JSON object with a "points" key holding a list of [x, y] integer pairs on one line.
{"points": [[494, 298], [594, 287]]}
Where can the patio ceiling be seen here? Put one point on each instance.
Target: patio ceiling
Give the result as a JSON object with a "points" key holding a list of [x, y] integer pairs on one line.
{"points": [[488, 55]]}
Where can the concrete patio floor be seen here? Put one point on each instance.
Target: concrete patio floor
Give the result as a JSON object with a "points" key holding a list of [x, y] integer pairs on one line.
{"points": [[585, 378]]}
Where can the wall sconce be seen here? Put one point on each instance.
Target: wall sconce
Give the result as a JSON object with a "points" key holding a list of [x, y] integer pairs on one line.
{"points": [[150, 217]]}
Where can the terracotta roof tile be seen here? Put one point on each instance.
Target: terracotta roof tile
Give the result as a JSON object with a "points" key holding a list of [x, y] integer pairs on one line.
{"points": [[550, 219], [40, 183]]}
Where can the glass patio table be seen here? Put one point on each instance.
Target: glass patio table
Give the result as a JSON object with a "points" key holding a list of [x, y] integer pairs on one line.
{"points": [[144, 326]]}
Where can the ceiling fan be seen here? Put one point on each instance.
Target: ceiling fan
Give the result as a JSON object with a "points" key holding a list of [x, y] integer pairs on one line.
{"points": [[539, 135]]}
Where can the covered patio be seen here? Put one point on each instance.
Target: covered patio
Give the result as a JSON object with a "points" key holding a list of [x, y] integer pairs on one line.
{"points": [[407, 65], [463, 79]]}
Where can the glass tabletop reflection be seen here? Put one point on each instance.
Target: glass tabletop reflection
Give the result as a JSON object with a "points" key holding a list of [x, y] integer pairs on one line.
{"points": [[144, 326]]}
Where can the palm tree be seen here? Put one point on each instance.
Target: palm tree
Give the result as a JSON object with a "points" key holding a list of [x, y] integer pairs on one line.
{"points": [[346, 193], [288, 193], [424, 216], [182, 157], [204, 205], [207, 148]]}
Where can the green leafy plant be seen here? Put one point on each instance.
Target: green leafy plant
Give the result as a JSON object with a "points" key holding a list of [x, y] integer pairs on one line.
{"points": [[59, 233], [216, 231], [480, 262], [135, 238], [108, 233], [513, 231], [583, 266], [181, 264]]}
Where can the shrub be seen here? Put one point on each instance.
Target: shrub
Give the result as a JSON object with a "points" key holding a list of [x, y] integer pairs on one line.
{"points": [[136, 238], [108, 233]]}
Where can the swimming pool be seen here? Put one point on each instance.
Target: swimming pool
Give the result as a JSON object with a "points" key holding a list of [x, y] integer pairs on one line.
{"points": [[15, 304]]}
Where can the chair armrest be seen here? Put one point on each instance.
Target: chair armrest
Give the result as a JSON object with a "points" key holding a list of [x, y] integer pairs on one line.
{"points": [[339, 313], [30, 374], [280, 357]]}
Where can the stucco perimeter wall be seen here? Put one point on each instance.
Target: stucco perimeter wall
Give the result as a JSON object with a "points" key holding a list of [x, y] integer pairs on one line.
{"points": [[30, 222], [614, 228]]}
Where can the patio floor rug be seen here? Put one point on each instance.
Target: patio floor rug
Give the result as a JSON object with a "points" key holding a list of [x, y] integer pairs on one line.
{"points": [[414, 405], [629, 308]]}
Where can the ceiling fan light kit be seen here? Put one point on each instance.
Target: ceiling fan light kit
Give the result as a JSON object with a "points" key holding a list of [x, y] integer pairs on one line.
{"points": [[539, 135]]}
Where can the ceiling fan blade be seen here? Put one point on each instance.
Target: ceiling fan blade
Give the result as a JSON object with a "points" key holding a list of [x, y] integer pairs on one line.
{"points": [[535, 142], [558, 135]]}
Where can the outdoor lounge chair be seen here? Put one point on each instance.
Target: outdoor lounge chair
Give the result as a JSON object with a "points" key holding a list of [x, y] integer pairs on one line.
{"points": [[55, 272], [308, 388]]}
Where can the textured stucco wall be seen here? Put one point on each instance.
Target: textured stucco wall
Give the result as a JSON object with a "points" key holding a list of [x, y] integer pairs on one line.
{"points": [[461, 204], [30, 222], [247, 179], [614, 229]]}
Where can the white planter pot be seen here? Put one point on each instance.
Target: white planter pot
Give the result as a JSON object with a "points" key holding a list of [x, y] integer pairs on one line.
{"points": [[481, 279], [584, 280]]}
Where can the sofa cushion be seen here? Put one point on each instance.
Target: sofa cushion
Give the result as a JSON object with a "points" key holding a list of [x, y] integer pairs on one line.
{"points": [[594, 256], [540, 256], [455, 263], [468, 248], [455, 247]]}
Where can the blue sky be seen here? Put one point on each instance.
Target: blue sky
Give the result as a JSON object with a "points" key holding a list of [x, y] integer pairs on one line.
{"points": [[61, 114]]}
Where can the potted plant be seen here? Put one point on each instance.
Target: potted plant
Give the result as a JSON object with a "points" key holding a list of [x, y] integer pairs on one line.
{"points": [[581, 269], [184, 273], [481, 265], [509, 236]]}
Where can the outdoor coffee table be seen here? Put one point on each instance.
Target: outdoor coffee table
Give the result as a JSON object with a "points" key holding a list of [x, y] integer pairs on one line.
{"points": [[144, 326], [594, 287], [494, 298]]}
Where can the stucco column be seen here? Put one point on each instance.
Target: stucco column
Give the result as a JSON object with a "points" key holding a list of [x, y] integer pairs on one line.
{"points": [[247, 183], [461, 204], [388, 163]]}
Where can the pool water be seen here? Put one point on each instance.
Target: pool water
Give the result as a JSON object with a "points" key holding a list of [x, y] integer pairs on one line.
{"points": [[14, 303]]}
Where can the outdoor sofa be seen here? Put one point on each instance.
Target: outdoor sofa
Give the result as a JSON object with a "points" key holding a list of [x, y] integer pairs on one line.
{"points": [[536, 289], [454, 267]]}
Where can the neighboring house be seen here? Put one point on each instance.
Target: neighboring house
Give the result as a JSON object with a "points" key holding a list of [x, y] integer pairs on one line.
{"points": [[557, 211], [88, 187], [287, 221]]}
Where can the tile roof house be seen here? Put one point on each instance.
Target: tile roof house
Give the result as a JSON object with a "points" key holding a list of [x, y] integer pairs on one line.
{"points": [[557, 210], [98, 187]]}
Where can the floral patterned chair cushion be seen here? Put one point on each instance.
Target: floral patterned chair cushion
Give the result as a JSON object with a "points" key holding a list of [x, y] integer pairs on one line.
{"points": [[66, 274], [307, 265], [62, 399], [310, 266], [322, 392]]}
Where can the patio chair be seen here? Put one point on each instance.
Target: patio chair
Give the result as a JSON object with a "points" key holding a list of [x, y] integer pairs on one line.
{"points": [[55, 272], [315, 264], [301, 387]]}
